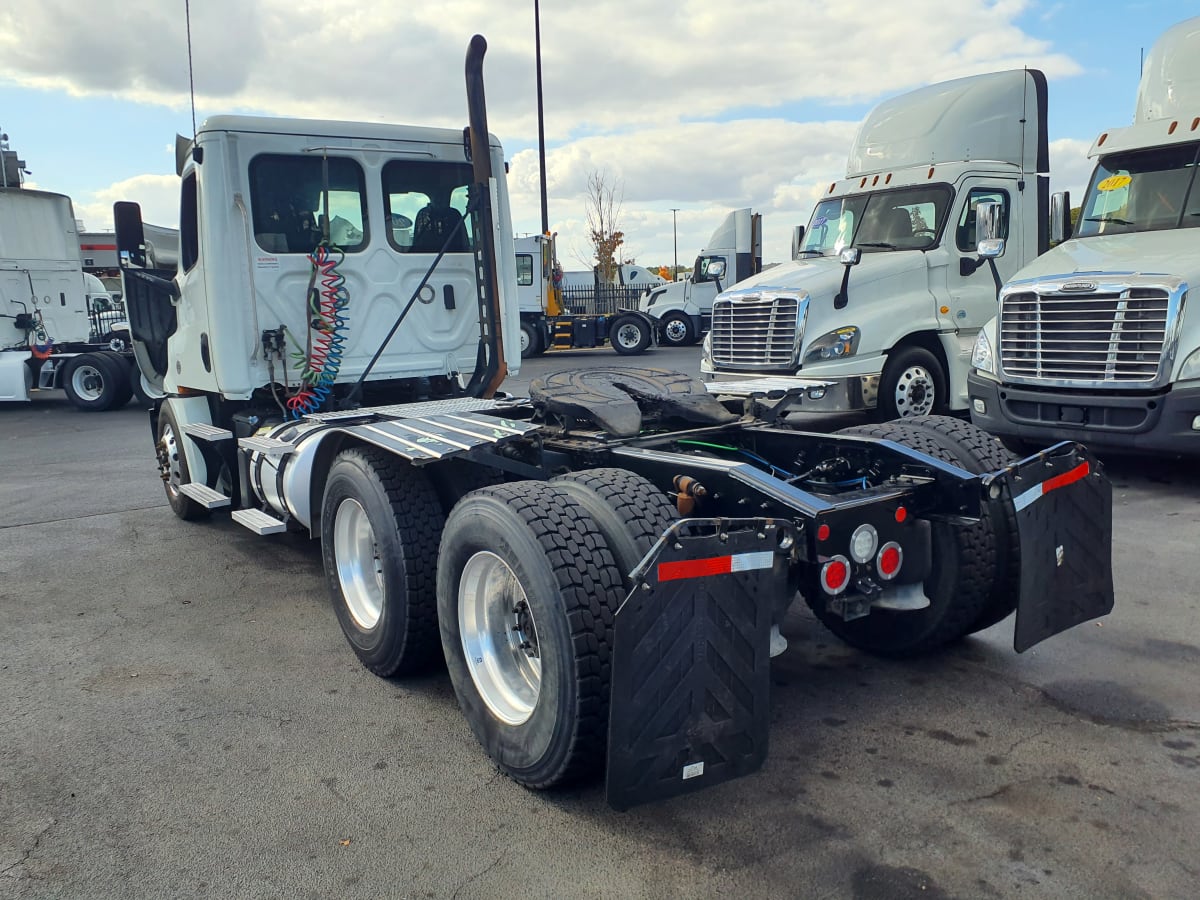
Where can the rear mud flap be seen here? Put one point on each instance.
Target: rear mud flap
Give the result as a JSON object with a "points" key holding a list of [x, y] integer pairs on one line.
{"points": [[1063, 506], [691, 661]]}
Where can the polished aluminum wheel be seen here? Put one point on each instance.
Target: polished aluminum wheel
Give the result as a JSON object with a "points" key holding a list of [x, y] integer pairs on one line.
{"points": [[916, 392], [359, 568], [675, 331], [499, 638], [168, 461]]}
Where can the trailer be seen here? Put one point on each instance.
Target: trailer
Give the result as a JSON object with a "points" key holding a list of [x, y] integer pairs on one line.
{"points": [[603, 564]]}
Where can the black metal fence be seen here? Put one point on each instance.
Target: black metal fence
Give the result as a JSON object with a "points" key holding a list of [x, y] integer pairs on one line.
{"points": [[601, 300]]}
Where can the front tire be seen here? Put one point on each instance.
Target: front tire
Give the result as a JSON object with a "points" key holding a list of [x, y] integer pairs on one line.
{"points": [[913, 383], [173, 467], [630, 335], [526, 590], [530, 344], [380, 526], [677, 330]]}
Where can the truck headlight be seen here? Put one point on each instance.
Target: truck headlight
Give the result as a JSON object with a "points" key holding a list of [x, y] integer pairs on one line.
{"points": [[706, 347], [835, 345], [981, 356], [1191, 367]]}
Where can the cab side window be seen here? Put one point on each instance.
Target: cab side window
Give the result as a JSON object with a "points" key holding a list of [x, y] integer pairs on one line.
{"points": [[524, 269], [965, 236], [287, 203], [189, 231]]}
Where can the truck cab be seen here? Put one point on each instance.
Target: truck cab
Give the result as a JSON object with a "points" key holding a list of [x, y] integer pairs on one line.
{"points": [[881, 306], [682, 310], [1094, 341]]}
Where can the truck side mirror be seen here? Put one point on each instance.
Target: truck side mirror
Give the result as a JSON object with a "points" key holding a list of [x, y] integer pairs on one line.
{"points": [[987, 221], [797, 240], [1060, 217], [991, 248], [716, 268], [851, 256], [131, 237]]}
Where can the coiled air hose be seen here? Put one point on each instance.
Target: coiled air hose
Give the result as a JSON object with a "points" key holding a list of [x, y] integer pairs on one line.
{"points": [[319, 367]]}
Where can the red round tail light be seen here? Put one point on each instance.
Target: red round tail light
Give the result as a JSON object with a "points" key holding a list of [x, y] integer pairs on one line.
{"points": [[835, 575], [890, 558]]}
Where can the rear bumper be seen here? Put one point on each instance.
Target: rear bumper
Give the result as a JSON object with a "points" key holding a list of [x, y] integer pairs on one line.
{"points": [[1160, 422]]}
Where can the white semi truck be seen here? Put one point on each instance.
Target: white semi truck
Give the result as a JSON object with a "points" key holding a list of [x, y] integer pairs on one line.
{"points": [[565, 553], [59, 327], [1096, 340], [881, 307], [682, 310]]}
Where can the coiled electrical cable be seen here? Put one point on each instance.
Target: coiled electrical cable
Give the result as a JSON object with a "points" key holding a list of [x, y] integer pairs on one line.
{"points": [[327, 317]]}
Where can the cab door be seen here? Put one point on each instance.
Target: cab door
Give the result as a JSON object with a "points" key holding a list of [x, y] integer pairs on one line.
{"points": [[969, 300]]}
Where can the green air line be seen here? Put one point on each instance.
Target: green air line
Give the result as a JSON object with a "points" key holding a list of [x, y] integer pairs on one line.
{"points": [[709, 446]]}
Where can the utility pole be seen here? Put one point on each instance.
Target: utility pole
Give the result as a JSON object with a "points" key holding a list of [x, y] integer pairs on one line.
{"points": [[675, 238], [537, 43]]}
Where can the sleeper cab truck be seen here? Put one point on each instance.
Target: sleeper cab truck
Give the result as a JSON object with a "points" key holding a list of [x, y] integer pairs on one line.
{"points": [[881, 307]]}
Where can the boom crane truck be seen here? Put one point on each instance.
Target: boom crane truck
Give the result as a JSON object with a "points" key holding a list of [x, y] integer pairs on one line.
{"points": [[603, 564]]}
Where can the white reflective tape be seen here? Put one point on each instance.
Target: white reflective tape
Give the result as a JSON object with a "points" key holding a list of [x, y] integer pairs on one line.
{"points": [[1027, 497], [693, 770], [744, 562]]}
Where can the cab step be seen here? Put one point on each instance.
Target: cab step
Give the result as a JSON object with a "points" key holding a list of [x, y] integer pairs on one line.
{"points": [[258, 521], [201, 431], [204, 495], [267, 446]]}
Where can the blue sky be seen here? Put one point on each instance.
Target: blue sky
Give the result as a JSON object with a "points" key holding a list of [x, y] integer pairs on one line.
{"points": [[624, 86]]}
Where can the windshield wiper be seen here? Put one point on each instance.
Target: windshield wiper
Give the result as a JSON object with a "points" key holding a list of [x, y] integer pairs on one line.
{"points": [[1112, 219], [882, 244], [819, 253]]}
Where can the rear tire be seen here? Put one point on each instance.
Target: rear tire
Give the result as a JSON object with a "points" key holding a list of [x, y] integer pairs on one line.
{"points": [[94, 382], [629, 334], [959, 585], [380, 527], [173, 467], [527, 589], [630, 511], [677, 330], [530, 345], [979, 452]]}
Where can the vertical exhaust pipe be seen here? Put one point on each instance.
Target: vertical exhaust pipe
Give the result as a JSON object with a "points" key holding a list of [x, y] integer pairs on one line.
{"points": [[493, 369]]}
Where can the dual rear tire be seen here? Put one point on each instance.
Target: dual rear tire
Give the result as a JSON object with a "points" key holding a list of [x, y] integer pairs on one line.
{"points": [[528, 578]]}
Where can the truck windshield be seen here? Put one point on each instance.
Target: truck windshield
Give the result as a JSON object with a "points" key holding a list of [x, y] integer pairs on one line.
{"points": [[1143, 190], [905, 219]]}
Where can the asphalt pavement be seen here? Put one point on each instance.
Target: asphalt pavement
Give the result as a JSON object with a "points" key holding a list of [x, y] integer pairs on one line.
{"points": [[180, 716]]}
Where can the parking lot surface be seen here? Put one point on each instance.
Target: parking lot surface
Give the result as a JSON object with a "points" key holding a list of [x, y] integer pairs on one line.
{"points": [[180, 716]]}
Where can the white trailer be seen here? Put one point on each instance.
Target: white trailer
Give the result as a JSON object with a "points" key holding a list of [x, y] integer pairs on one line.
{"points": [[882, 305], [1095, 341], [57, 323]]}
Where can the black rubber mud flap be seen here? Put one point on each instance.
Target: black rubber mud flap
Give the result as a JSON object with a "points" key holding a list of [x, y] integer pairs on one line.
{"points": [[691, 661], [1063, 507]]}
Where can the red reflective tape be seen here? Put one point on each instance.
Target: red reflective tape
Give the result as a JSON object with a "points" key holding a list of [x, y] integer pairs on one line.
{"points": [[1080, 471], [695, 568]]}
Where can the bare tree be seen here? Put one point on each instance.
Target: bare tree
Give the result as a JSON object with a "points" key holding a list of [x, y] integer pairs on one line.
{"points": [[604, 198]]}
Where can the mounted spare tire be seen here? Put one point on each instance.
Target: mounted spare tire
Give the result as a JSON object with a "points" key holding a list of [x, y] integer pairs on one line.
{"points": [[960, 582], [526, 589]]}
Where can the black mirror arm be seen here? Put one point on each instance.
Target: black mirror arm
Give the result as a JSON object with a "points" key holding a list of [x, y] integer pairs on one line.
{"points": [[842, 297], [995, 277]]}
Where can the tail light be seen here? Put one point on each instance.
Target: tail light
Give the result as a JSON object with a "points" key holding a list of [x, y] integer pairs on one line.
{"points": [[889, 560], [835, 575]]}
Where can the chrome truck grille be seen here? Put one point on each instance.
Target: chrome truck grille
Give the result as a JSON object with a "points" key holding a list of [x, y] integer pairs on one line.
{"points": [[1088, 334], [757, 331]]}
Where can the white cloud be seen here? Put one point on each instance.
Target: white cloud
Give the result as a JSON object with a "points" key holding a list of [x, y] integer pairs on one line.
{"points": [[158, 196], [1070, 168]]}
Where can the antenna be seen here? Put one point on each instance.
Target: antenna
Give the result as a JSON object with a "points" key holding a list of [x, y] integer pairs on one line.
{"points": [[187, 14]]}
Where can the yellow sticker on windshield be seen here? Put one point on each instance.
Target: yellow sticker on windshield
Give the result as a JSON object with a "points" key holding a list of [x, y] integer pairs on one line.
{"points": [[1113, 183]]}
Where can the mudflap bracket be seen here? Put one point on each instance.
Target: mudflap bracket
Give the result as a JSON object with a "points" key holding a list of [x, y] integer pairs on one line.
{"points": [[691, 659], [1063, 506]]}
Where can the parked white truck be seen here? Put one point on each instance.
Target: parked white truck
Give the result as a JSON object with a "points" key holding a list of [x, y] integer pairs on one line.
{"points": [[567, 553], [883, 302], [1095, 341], [59, 327], [682, 310]]}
